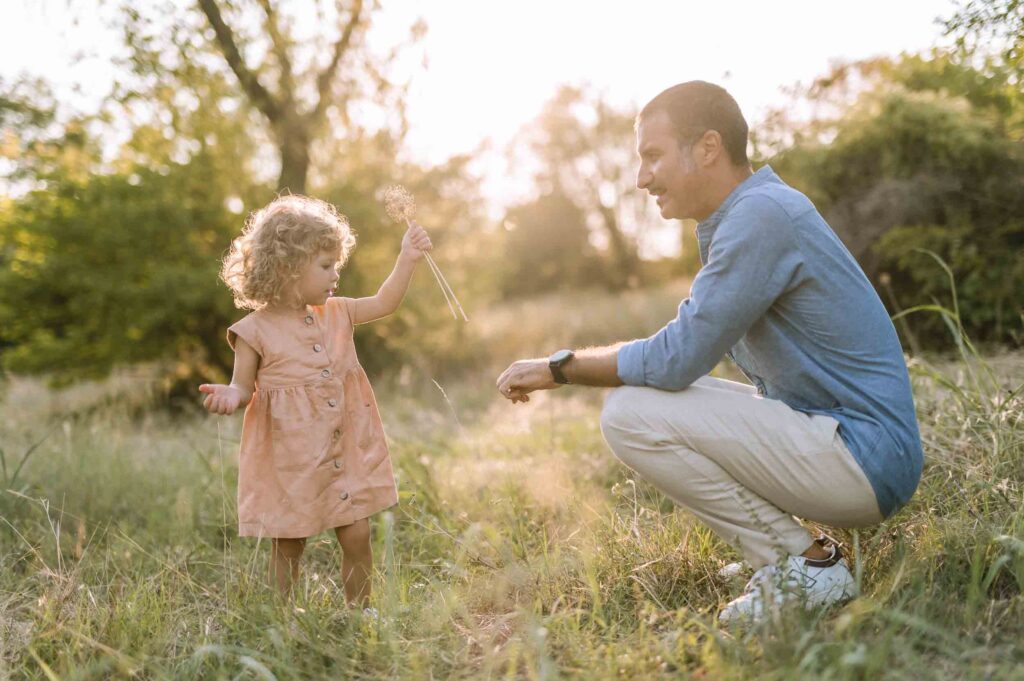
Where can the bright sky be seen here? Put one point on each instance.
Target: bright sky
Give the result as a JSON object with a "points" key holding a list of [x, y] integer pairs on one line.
{"points": [[492, 65]]}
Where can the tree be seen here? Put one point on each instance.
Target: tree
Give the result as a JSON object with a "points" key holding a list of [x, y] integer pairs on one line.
{"points": [[294, 129], [585, 150], [546, 247], [33, 144], [256, 45], [977, 24]]}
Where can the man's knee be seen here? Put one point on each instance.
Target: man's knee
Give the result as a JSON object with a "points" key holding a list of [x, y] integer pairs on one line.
{"points": [[621, 422], [616, 410]]}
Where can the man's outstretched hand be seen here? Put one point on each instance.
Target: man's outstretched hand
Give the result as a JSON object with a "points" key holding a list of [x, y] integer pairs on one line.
{"points": [[523, 377]]}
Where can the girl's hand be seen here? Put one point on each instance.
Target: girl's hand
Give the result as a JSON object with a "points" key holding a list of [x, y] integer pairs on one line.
{"points": [[221, 399], [415, 242]]}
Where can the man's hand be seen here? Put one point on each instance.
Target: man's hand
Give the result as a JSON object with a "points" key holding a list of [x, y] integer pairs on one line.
{"points": [[221, 399], [416, 242], [525, 376]]}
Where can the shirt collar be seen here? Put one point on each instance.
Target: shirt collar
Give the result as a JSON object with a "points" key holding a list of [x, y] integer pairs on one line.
{"points": [[706, 228]]}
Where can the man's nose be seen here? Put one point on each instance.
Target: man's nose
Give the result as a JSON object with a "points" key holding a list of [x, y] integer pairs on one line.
{"points": [[643, 178]]}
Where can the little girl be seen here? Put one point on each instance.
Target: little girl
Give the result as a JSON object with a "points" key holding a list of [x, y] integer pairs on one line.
{"points": [[313, 454]]}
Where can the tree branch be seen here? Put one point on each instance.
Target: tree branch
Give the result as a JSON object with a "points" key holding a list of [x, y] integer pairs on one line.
{"points": [[280, 44], [324, 80], [258, 94]]}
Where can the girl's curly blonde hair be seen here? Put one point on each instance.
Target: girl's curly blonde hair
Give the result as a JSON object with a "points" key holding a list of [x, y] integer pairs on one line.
{"points": [[277, 242]]}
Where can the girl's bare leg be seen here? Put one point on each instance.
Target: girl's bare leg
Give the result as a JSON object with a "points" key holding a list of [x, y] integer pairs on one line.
{"points": [[357, 561], [284, 563]]}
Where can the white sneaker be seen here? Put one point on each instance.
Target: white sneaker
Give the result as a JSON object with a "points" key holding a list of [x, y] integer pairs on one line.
{"points": [[815, 583], [732, 570]]}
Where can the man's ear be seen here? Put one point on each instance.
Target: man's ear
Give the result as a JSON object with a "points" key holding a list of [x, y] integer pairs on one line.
{"points": [[710, 147]]}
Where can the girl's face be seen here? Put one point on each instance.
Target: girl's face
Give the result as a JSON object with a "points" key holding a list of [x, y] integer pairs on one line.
{"points": [[318, 279]]}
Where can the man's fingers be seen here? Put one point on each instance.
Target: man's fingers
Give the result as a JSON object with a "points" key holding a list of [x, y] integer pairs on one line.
{"points": [[207, 388]]}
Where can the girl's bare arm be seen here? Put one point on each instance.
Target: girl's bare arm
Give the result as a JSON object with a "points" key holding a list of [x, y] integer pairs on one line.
{"points": [[414, 244], [225, 399]]}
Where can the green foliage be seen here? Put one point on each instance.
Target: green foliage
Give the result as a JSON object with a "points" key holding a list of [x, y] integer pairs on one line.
{"points": [[927, 155], [115, 269], [547, 247], [980, 25]]}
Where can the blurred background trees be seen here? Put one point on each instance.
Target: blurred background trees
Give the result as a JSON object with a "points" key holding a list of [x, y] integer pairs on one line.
{"points": [[112, 224]]}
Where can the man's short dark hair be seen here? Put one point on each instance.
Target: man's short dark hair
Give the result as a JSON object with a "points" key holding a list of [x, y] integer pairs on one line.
{"points": [[695, 107]]}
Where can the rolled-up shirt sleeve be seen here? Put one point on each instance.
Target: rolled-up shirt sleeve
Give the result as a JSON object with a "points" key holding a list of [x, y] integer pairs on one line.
{"points": [[753, 259]]}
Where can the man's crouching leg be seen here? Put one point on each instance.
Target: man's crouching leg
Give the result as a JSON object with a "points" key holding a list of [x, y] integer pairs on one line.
{"points": [[656, 433], [704, 448]]}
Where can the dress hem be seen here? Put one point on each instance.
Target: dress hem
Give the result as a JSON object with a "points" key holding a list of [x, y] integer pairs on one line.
{"points": [[261, 531]]}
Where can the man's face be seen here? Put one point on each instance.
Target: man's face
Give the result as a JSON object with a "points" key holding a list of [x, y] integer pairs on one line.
{"points": [[668, 173]]}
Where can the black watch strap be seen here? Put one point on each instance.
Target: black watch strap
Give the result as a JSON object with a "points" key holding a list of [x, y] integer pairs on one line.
{"points": [[555, 364]]}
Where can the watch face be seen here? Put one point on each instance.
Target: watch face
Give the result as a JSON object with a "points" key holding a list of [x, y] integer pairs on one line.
{"points": [[560, 357]]}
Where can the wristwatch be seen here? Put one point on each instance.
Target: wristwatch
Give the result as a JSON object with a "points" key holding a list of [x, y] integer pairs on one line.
{"points": [[555, 364]]}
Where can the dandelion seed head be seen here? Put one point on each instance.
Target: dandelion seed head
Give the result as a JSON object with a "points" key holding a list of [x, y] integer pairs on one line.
{"points": [[399, 203]]}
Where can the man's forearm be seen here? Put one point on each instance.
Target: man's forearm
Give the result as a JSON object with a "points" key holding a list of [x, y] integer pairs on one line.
{"points": [[595, 367]]}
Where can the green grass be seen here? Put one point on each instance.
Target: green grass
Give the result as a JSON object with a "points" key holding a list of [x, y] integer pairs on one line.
{"points": [[520, 548]]}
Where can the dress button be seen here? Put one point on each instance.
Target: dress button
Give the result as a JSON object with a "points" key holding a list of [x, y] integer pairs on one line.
{"points": [[325, 373], [332, 402], [336, 434], [343, 496], [309, 320], [317, 348], [337, 463]]}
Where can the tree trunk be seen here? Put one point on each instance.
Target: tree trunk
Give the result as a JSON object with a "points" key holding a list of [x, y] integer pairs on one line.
{"points": [[293, 143], [624, 258]]}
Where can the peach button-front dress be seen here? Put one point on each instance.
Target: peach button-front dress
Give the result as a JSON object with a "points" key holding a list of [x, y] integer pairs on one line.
{"points": [[313, 453]]}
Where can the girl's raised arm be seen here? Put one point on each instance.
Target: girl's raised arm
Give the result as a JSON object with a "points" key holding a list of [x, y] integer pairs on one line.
{"points": [[414, 244]]}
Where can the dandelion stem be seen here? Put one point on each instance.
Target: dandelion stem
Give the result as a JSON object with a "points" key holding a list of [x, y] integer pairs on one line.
{"points": [[446, 289], [445, 283]]}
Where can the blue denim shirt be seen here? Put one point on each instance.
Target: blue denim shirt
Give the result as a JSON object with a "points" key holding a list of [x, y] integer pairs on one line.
{"points": [[782, 295]]}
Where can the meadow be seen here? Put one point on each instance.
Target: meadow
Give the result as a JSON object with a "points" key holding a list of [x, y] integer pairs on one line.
{"points": [[520, 548]]}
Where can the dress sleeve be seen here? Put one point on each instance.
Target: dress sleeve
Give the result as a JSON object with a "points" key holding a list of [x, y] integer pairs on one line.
{"points": [[247, 329], [345, 308]]}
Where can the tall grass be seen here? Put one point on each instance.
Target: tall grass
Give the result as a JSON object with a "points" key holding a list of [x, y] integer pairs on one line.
{"points": [[520, 547]]}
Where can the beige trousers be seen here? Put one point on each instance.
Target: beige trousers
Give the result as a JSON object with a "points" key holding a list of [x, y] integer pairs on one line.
{"points": [[743, 464]]}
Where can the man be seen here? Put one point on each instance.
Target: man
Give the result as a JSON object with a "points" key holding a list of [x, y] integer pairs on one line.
{"points": [[827, 430]]}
